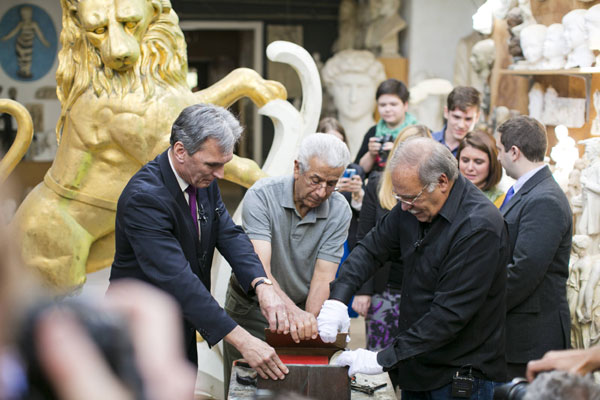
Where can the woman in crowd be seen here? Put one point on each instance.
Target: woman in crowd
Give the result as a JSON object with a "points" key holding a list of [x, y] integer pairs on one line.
{"points": [[478, 162], [379, 298], [392, 105]]}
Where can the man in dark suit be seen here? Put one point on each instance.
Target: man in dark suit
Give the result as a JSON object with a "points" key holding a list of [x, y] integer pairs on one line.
{"points": [[170, 218], [539, 223]]}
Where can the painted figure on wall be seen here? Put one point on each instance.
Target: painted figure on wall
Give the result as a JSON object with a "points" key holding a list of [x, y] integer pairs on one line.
{"points": [[27, 30], [121, 82]]}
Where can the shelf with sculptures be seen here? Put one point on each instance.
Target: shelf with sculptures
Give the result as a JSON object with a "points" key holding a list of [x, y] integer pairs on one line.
{"points": [[542, 58]]}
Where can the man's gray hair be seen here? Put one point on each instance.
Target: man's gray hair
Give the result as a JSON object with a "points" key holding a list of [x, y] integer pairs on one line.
{"points": [[562, 385], [431, 158], [327, 148], [199, 122]]}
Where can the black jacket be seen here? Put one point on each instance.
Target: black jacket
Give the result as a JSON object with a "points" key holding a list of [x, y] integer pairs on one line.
{"points": [[540, 228], [453, 304]]}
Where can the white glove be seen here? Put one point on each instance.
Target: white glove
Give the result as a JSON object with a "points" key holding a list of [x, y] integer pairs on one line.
{"points": [[360, 361], [333, 318]]}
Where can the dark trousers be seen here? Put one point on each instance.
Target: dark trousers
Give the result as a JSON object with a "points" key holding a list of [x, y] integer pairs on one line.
{"points": [[482, 390]]}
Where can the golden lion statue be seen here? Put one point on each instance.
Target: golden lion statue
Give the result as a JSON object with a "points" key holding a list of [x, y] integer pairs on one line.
{"points": [[121, 82]]}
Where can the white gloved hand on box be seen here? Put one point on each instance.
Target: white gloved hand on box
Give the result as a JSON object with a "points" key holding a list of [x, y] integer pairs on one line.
{"points": [[333, 318], [360, 361]]}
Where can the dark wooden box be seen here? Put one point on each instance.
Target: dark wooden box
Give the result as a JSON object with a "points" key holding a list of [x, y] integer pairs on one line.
{"points": [[320, 382]]}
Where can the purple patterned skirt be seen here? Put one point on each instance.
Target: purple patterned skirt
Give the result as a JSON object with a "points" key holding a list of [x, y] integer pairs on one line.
{"points": [[382, 319]]}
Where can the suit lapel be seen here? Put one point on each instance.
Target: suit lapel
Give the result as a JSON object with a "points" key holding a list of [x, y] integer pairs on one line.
{"points": [[173, 187], [532, 182]]}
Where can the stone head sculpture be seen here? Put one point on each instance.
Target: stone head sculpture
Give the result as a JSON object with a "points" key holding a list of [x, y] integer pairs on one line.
{"points": [[532, 43], [352, 77], [555, 47], [592, 24], [482, 58], [577, 37]]}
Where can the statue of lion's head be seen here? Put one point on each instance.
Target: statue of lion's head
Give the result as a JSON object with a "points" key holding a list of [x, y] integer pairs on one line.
{"points": [[117, 46]]}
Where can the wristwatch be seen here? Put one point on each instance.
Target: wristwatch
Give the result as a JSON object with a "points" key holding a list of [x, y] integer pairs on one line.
{"points": [[266, 281]]}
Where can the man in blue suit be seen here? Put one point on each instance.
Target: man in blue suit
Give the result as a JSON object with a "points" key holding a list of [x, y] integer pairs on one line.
{"points": [[540, 227], [170, 218]]}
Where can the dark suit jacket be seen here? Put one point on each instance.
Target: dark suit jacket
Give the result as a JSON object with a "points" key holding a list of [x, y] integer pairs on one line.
{"points": [[156, 242], [540, 229]]}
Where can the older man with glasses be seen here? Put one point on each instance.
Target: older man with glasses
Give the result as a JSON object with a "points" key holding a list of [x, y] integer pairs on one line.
{"points": [[298, 225], [453, 246]]}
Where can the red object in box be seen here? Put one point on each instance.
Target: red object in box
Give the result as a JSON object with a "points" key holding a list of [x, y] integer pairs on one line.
{"points": [[303, 359]]}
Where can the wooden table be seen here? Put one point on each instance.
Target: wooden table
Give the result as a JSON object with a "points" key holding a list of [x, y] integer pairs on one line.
{"points": [[238, 391]]}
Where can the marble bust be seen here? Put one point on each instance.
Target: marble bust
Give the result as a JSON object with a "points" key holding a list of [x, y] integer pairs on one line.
{"points": [[352, 77], [482, 59], [576, 35], [532, 44], [555, 47], [592, 24]]}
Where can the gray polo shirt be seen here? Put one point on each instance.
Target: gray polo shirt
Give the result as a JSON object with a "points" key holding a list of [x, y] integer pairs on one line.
{"points": [[269, 214]]}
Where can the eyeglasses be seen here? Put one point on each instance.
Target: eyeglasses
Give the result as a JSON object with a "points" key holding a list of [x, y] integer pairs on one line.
{"points": [[410, 200], [316, 183]]}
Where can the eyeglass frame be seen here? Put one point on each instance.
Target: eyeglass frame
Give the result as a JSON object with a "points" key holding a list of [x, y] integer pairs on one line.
{"points": [[412, 202], [323, 183]]}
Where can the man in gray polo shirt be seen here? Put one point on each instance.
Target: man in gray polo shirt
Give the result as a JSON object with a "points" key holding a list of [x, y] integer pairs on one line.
{"points": [[298, 225]]}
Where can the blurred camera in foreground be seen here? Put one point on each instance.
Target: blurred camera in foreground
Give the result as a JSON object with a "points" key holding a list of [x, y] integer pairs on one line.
{"points": [[554, 385]]}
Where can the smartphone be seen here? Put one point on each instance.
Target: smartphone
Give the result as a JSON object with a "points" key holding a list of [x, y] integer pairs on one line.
{"points": [[349, 173]]}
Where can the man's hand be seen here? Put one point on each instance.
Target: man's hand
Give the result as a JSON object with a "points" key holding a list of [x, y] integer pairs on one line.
{"points": [[361, 304], [580, 361], [360, 361], [303, 325], [332, 319], [273, 309], [258, 354]]}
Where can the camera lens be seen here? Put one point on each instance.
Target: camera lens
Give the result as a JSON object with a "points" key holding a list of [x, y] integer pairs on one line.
{"points": [[514, 390]]}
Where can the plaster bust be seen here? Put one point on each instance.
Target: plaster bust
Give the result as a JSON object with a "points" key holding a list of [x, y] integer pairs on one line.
{"points": [[555, 47], [352, 77], [482, 58], [576, 36], [532, 44], [592, 24]]}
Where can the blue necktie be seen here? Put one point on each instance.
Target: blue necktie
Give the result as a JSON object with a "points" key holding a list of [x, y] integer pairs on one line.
{"points": [[509, 195]]}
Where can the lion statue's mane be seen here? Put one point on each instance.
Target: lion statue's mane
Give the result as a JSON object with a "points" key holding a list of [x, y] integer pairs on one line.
{"points": [[80, 63]]}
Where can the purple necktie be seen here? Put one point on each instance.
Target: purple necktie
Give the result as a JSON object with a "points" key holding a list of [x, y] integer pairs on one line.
{"points": [[191, 191]]}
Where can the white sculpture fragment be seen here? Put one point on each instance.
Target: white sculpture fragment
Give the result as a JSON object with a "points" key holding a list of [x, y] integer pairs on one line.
{"points": [[564, 154], [383, 27], [576, 35], [536, 101], [482, 59], [555, 47], [589, 223], [532, 44], [595, 131], [563, 110], [427, 101], [592, 24]]}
